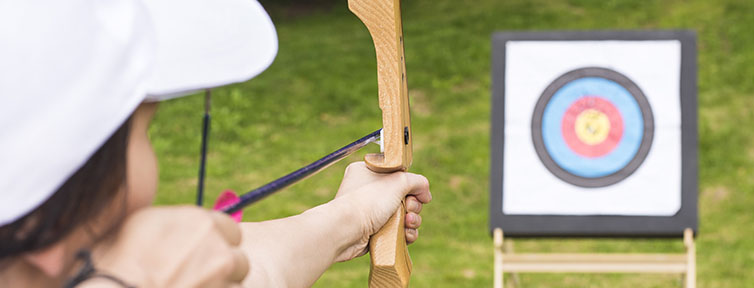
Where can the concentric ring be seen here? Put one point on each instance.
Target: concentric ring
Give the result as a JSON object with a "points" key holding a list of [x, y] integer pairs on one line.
{"points": [[590, 165], [598, 115]]}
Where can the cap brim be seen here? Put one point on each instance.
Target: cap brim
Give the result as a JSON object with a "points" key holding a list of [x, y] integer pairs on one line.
{"points": [[208, 43]]}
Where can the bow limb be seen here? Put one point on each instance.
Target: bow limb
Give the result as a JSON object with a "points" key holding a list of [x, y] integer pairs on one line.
{"points": [[390, 262]]}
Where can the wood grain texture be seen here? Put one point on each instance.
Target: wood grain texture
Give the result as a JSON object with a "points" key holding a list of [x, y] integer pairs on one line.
{"points": [[383, 20], [391, 264]]}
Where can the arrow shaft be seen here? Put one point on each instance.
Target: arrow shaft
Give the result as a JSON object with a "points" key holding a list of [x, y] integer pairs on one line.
{"points": [[308, 170]]}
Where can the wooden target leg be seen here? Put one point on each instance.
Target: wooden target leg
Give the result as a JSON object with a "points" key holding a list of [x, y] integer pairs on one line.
{"points": [[688, 241], [498, 270]]}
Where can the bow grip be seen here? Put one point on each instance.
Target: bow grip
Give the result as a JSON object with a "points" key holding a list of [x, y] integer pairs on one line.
{"points": [[390, 262]]}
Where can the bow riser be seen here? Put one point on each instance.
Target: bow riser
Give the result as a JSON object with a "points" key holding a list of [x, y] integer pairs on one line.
{"points": [[391, 265], [383, 20]]}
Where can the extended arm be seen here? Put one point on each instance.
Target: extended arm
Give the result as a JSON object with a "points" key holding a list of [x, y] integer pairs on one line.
{"points": [[295, 251]]}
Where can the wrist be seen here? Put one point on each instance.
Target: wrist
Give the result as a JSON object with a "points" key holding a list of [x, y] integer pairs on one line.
{"points": [[343, 226]]}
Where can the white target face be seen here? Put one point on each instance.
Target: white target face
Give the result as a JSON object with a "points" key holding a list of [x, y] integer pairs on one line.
{"points": [[592, 128]]}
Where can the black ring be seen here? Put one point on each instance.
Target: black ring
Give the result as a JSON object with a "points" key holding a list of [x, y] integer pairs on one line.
{"points": [[607, 180]]}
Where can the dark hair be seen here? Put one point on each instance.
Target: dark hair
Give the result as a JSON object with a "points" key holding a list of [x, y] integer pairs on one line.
{"points": [[78, 200]]}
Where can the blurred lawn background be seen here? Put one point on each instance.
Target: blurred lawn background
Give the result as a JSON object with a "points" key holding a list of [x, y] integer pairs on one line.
{"points": [[321, 93]]}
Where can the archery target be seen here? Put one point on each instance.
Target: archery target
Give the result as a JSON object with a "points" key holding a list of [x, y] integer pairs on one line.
{"points": [[592, 128]]}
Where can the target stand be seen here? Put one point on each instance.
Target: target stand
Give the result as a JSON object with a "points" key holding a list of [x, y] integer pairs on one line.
{"points": [[506, 261], [594, 135]]}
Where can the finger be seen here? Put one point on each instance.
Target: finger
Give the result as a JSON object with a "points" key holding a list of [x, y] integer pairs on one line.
{"points": [[411, 235], [228, 228], [413, 220], [419, 187], [413, 204], [240, 266]]}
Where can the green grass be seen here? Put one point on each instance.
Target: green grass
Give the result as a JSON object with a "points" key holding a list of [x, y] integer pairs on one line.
{"points": [[321, 93]]}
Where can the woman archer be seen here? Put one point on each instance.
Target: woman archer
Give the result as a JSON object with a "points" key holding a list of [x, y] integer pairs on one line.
{"points": [[80, 81]]}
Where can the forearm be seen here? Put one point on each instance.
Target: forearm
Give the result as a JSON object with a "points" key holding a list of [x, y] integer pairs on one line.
{"points": [[295, 251]]}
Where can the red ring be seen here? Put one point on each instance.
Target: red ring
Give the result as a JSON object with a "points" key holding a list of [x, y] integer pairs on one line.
{"points": [[569, 126]]}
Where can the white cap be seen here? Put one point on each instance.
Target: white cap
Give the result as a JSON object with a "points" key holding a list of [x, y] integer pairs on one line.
{"points": [[72, 71]]}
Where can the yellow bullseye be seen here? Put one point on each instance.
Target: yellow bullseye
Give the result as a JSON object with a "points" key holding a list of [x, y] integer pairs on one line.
{"points": [[592, 127]]}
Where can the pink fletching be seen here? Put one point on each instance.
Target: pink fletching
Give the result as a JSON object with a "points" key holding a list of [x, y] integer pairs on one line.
{"points": [[227, 198]]}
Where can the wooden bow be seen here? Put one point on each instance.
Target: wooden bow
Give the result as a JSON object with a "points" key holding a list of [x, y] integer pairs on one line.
{"points": [[390, 262]]}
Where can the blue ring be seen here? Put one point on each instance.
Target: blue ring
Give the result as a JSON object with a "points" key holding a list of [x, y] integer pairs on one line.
{"points": [[622, 154]]}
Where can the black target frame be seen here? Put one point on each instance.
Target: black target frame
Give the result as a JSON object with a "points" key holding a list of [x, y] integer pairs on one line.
{"points": [[598, 225]]}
